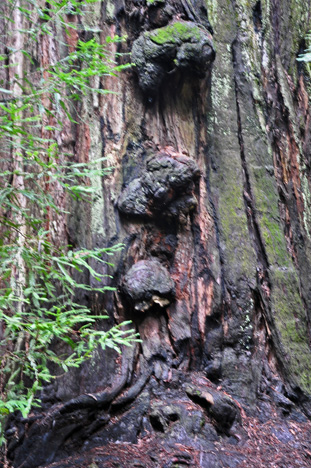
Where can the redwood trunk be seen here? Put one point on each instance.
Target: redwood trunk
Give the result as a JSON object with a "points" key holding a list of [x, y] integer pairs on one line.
{"points": [[209, 140]]}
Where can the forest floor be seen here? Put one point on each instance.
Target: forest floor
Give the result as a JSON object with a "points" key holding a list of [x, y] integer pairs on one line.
{"points": [[275, 443]]}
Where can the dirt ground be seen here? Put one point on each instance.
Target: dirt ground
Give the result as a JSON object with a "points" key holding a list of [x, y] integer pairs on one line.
{"points": [[276, 443]]}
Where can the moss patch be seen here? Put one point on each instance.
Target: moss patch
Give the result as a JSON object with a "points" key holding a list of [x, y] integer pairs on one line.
{"points": [[234, 229], [110, 10], [181, 44], [268, 215], [227, 179], [290, 319], [154, 2], [176, 33]]}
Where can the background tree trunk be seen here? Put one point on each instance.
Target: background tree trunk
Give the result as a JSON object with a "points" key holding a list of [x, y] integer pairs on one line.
{"points": [[209, 193]]}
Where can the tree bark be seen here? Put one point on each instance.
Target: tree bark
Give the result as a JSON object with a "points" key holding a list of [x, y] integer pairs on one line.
{"points": [[209, 140]]}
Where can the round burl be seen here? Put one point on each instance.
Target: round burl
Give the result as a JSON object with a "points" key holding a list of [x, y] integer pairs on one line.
{"points": [[148, 283], [183, 45], [165, 188]]}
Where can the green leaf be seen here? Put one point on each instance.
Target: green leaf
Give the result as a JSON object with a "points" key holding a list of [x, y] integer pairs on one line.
{"points": [[6, 91], [37, 287]]}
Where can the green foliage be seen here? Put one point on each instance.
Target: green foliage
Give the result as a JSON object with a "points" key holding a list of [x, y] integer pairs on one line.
{"points": [[94, 54], [39, 280], [154, 2], [306, 56]]}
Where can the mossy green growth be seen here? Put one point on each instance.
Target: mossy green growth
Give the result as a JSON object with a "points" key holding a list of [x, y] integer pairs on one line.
{"points": [[110, 9], [268, 216], [233, 226], [154, 2], [274, 240], [291, 323], [176, 33]]}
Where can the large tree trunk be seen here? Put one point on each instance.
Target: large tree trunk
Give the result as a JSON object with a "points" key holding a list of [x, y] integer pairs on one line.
{"points": [[210, 195]]}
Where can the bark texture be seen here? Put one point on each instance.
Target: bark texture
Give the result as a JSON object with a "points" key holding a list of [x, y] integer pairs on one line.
{"points": [[209, 140]]}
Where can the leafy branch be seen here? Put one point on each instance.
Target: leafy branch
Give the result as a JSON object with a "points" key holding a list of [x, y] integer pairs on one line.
{"points": [[39, 280]]}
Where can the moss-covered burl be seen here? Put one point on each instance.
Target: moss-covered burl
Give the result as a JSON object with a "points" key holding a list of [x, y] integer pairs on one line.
{"points": [[181, 45]]}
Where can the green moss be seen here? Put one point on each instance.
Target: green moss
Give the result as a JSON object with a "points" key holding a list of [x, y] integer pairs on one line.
{"points": [[110, 10], [274, 241], [154, 2], [290, 319], [212, 7], [240, 259], [266, 199], [175, 33], [227, 180], [306, 380], [234, 228]]}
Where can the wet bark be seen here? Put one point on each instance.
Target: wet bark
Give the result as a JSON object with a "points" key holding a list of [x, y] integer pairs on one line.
{"points": [[208, 137]]}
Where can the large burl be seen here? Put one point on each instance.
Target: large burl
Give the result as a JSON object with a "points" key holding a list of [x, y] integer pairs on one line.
{"points": [[182, 45], [164, 189], [147, 283]]}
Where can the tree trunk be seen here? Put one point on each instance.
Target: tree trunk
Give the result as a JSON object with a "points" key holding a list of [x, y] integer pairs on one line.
{"points": [[209, 140]]}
